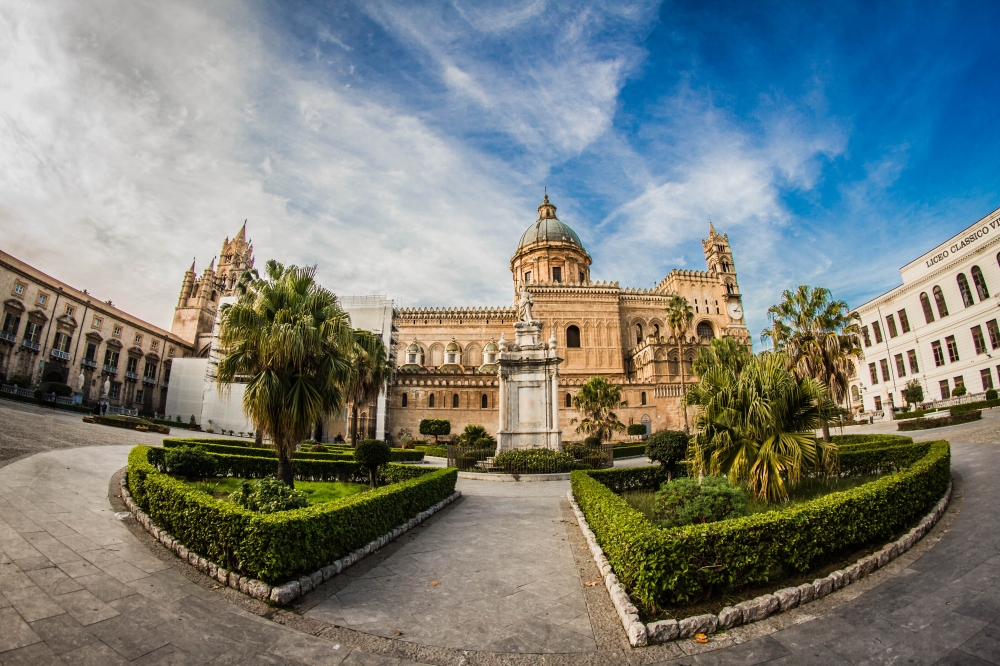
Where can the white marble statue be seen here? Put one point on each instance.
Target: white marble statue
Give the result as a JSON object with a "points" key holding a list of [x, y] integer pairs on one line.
{"points": [[524, 304], [79, 382], [107, 386]]}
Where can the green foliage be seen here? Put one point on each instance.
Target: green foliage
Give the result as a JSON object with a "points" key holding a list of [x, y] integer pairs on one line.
{"points": [[973, 406], [629, 451], [20, 381], [476, 436], [861, 460], [636, 429], [914, 392], [686, 501], [234, 447], [533, 461], [190, 462], [437, 451], [966, 416], [578, 451], [991, 394], [595, 459], [372, 454], [595, 401], [435, 427], [60, 389], [668, 447], [959, 391], [623, 479], [129, 422], [664, 566], [280, 546], [757, 427], [268, 496], [726, 352], [592, 442], [371, 370], [469, 458]]}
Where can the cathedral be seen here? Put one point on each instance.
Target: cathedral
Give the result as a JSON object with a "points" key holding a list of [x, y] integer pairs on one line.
{"points": [[447, 357], [448, 367]]}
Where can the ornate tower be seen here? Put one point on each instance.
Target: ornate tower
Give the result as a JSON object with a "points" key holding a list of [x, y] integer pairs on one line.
{"points": [[719, 258], [194, 316]]}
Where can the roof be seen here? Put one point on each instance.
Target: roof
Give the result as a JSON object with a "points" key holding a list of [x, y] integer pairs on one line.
{"points": [[548, 228]]}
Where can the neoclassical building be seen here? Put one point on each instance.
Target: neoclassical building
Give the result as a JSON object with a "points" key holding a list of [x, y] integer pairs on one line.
{"points": [[447, 368]]}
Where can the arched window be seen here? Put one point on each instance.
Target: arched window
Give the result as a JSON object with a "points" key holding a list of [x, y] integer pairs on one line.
{"points": [[403, 399], [980, 282], [656, 332], [454, 400], [705, 330], [855, 394], [572, 336], [430, 403], [569, 400], [638, 334], [642, 398], [963, 288], [484, 402], [730, 288], [941, 305], [925, 303]]}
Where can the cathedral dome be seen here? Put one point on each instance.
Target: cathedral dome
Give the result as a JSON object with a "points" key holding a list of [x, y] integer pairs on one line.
{"points": [[548, 228]]}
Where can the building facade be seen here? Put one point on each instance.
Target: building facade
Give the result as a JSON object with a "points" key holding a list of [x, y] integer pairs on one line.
{"points": [[448, 368], [54, 332], [940, 327]]}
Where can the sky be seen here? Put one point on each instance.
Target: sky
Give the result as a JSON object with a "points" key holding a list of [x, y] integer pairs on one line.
{"points": [[404, 147]]}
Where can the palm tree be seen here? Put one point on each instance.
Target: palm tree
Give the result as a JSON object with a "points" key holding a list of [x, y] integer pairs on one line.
{"points": [[820, 338], [757, 426], [288, 340], [595, 401], [680, 314], [371, 370]]}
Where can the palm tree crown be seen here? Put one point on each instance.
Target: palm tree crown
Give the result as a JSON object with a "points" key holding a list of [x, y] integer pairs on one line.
{"points": [[289, 340], [596, 400], [371, 370], [680, 314]]}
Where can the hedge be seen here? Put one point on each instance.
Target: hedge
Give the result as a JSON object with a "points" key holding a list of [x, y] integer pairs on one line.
{"points": [[628, 451], [954, 419], [665, 566], [79, 409], [277, 547], [439, 451], [128, 422], [225, 446], [845, 442], [862, 461]]}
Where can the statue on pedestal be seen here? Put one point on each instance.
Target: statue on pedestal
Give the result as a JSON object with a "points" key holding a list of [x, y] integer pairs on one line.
{"points": [[524, 303]]}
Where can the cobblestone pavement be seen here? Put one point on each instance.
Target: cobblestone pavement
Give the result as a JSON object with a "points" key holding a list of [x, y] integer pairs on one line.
{"points": [[26, 429]]}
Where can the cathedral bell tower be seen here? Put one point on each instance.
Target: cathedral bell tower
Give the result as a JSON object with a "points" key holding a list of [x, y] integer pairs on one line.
{"points": [[719, 258], [194, 316]]}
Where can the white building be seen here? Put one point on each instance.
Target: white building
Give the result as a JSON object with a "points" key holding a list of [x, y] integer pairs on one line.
{"points": [[939, 327], [374, 314]]}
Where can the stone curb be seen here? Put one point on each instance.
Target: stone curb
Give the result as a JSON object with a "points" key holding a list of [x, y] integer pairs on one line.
{"points": [[513, 478], [752, 610], [279, 594]]}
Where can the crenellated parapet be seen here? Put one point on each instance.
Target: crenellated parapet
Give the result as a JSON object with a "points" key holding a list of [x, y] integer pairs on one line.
{"points": [[460, 313]]}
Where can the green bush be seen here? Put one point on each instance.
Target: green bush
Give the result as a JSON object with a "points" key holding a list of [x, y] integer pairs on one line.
{"points": [[435, 427], [845, 442], [191, 462], [533, 461], [578, 451], [632, 478], [629, 451], [20, 381], [973, 406], [332, 453], [281, 546], [437, 451], [592, 442], [467, 460], [660, 566], [868, 461], [372, 454], [595, 458], [991, 394], [130, 422], [636, 429], [966, 416], [687, 501], [475, 436], [268, 496], [667, 447], [959, 391]]}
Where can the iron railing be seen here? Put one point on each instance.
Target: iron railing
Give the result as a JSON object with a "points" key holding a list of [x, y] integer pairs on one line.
{"points": [[88, 363], [131, 375], [9, 337], [111, 369], [58, 353], [30, 344]]}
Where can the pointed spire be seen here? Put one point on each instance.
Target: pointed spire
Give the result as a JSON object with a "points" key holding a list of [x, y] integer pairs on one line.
{"points": [[711, 228], [192, 264], [212, 265], [243, 232]]}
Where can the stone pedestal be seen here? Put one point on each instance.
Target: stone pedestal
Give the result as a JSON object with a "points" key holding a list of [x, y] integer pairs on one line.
{"points": [[529, 387]]}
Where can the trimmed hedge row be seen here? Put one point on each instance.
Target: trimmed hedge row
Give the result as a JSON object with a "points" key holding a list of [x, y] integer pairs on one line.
{"points": [[845, 442], [277, 547], [954, 419], [861, 461], [128, 422], [630, 450], [344, 455], [439, 451], [259, 467], [79, 409], [664, 566]]}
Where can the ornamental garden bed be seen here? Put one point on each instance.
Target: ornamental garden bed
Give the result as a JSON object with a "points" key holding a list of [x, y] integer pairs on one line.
{"points": [[129, 422], [272, 549], [922, 423], [234, 447], [701, 568]]}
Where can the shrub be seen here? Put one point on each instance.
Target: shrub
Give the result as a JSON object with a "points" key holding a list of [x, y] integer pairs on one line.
{"points": [[268, 496], [596, 459], [20, 381], [235, 447], [60, 389], [190, 462], [578, 451], [280, 546], [592, 442], [991, 394], [437, 451], [667, 447], [964, 416], [660, 566], [629, 451], [636, 429], [372, 454], [435, 427], [959, 391], [467, 460], [686, 501], [533, 461], [476, 436]]}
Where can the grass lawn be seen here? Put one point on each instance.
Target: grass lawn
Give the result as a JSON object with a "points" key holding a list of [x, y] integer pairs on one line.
{"points": [[317, 491]]}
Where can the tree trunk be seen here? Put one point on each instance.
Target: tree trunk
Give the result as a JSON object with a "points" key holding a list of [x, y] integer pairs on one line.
{"points": [[680, 361], [371, 478], [826, 431], [354, 425], [285, 466], [258, 438]]}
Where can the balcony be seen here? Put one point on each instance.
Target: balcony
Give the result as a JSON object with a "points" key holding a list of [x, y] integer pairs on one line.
{"points": [[89, 363], [164, 383], [56, 353], [111, 369], [131, 375], [30, 344], [151, 381], [8, 337]]}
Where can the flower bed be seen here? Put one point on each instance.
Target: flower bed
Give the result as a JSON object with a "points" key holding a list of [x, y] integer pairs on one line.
{"points": [[279, 546], [659, 567]]}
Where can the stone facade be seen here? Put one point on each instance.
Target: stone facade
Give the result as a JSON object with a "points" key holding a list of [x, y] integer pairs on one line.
{"points": [[601, 329], [53, 332]]}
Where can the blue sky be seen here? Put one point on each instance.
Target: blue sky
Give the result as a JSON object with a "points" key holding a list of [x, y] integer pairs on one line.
{"points": [[404, 148]]}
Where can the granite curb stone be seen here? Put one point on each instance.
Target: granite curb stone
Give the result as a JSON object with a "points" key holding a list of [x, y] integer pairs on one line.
{"points": [[752, 610], [279, 594]]}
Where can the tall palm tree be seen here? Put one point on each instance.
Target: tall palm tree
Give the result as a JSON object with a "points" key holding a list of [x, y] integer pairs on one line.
{"points": [[820, 338], [680, 314], [371, 370], [595, 401], [289, 340], [756, 425]]}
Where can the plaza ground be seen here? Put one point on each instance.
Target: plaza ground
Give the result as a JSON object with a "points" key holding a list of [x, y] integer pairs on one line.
{"points": [[80, 585]]}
